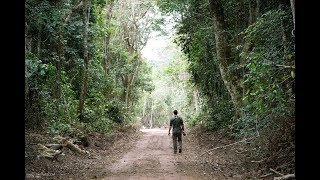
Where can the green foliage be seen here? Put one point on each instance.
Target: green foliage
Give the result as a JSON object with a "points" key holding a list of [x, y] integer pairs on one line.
{"points": [[115, 113], [101, 126], [199, 118], [264, 80], [143, 82], [268, 90], [60, 114], [37, 71], [54, 68], [246, 126], [59, 128], [218, 115], [169, 6], [37, 74]]}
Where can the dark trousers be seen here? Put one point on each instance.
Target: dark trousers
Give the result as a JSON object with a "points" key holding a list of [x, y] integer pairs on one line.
{"points": [[175, 137]]}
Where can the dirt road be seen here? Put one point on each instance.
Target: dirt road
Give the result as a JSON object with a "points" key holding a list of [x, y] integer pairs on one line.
{"points": [[152, 158], [147, 154]]}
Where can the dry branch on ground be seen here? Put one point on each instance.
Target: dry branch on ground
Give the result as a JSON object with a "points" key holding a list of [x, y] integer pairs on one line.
{"points": [[285, 177], [47, 152], [51, 151], [227, 145]]}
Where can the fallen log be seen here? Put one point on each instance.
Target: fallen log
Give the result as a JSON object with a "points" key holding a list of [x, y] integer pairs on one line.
{"points": [[73, 147], [47, 152], [285, 177], [54, 146]]}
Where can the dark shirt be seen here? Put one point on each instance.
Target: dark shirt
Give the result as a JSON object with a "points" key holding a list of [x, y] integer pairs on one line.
{"points": [[177, 124]]}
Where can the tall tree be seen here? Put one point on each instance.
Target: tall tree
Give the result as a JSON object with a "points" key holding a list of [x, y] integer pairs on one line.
{"points": [[134, 31], [293, 10], [253, 10], [224, 54], [84, 87], [107, 59]]}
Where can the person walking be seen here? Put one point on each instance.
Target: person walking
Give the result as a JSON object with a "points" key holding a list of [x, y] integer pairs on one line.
{"points": [[176, 123]]}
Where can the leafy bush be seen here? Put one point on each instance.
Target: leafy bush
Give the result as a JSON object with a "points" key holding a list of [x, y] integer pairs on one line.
{"points": [[267, 86], [263, 78], [246, 126], [214, 117], [60, 128], [114, 112]]}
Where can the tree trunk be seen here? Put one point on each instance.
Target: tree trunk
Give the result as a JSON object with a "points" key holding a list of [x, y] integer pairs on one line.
{"points": [[107, 38], [293, 5], [144, 106], [128, 89], [86, 60], [253, 15], [284, 38], [39, 44], [59, 66], [258, 8], [224, 55], [151, 114], [130, 86], [252, 11], [130, 77], [26, 101], [196, 100], [26, 41], [26, 91]]}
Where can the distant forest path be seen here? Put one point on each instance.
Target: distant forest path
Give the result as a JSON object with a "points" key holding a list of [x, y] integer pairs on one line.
{"points": [[152, 158]]}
